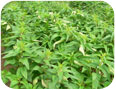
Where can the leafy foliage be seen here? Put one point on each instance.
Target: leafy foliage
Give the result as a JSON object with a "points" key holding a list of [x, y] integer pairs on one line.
{"points": [[58, 45]]}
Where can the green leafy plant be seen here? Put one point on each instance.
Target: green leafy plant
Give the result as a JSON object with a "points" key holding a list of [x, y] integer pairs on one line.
{"points": [[58, 45]]}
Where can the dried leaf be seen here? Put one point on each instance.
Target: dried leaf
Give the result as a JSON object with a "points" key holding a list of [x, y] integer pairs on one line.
{"points": [[43, 83], [81, 49], [8, 27]]}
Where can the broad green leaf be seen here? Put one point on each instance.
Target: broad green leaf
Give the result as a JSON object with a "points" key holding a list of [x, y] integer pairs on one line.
{"points": [[24, 72], [26, 84], [95, 80], [13, 83], [11, 53], [60, 75], [54, 36], [110, 66], [18, 73], [54, 82], [25, 62], [105, 71], [12, 61]]}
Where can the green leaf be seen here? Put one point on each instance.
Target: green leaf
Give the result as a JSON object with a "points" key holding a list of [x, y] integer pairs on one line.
{"points": [[89, 80], [11, 53], [105, 71], [76, 75], [110, 66], [54, 36], [10, 43], [36, 68], [60, 76], [18, 72], [53, 84], [71, 85], [37, 59], [95, 80], [12, 61], [26, 84], [13, 83], [24, 72], [25, 62]]}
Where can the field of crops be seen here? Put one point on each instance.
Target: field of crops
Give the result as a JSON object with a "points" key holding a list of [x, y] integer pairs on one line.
{"points": [[58, 44]]}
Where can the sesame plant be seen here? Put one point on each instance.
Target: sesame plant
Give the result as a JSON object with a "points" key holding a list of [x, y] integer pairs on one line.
{"points": [[58, 44]]}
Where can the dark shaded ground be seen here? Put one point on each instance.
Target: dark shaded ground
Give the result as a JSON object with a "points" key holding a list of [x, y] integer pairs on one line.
{"points": [[2, 64]]}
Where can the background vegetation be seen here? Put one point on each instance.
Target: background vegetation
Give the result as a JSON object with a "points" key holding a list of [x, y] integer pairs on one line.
{"points": [[59, 45]]}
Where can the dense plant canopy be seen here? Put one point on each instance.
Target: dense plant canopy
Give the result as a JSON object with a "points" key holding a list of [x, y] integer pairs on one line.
{"points": [[59, 45]]}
